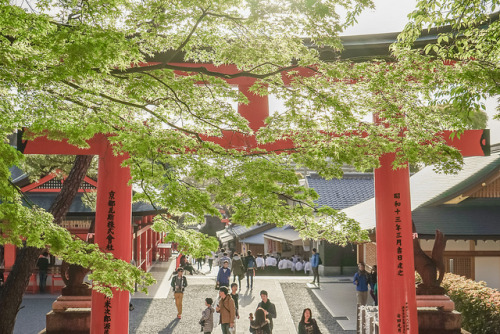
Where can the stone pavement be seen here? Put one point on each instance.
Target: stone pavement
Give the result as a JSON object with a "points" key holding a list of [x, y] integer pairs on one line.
{"points": [[333, 305]]}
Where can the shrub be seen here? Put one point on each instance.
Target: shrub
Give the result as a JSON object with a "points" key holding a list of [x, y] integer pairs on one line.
{"points": [[479, 305]]}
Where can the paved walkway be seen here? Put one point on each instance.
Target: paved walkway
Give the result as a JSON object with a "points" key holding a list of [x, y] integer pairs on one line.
{"points": [[333, 305]]}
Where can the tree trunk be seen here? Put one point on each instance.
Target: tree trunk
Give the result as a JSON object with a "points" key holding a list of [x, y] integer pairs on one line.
{"points": [[11, 295]]}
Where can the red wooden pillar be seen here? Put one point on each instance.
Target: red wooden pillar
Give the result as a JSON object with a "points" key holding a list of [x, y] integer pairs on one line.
{"points": [[256, 111], [9, 256], [144, 243], [154, 237], [150, 247], [112, 234], [395, 263]]}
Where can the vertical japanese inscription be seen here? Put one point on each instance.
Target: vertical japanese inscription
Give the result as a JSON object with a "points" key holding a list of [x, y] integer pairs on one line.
{"points": [[402, 317], [399, 237], [107, 315], [111, 221]]}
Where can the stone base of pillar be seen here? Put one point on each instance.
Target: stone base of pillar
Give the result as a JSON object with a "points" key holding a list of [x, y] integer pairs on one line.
{"points": [[69, 314], [436, 315]]}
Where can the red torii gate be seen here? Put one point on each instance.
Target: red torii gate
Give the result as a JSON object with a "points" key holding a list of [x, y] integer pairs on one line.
{"points": [[396, 280]]}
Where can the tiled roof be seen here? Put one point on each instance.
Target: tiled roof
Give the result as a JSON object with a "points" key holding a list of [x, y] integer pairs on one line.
{"points": [[240, 231], [286, 234], [45, 200], [429, 188], [258, 239], [352, 189], [476, 218], [17, 174]]}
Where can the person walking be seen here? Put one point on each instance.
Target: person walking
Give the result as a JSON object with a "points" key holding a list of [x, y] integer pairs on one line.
{"points": [[223, 259], [211, 258], [207, 317], [268, 307], [373, 284], [227, 310], [315, 265], [199, 263], [238, 269], [130, 306], [178, 284], [224, 275], [250, 268], [361, 281], [43, 266], [307, 324], [259, 325], [236, 297]]}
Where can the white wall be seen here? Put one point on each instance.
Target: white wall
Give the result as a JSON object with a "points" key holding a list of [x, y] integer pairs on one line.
{"points": [[488, 245], [488, 270], [451, 245]]}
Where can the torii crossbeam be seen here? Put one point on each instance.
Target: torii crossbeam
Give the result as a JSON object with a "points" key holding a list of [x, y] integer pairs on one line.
{"points": [[396, 279]]}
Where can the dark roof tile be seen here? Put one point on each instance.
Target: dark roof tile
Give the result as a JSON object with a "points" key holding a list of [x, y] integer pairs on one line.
{"points": [[339, 194]]}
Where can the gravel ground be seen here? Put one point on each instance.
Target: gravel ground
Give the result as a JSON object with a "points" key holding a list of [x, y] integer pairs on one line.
{"points": [[299, 297], [160, 315]]}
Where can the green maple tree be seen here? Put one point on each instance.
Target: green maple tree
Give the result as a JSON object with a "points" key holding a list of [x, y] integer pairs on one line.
{"points": [[73, 69]]}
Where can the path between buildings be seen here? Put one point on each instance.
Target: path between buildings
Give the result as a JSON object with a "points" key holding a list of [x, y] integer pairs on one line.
{"points": [[334, 305]]}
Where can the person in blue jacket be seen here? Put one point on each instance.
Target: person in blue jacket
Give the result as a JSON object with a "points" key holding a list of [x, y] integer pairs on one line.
{"points": [[315, 265], [224, 275], [361, 279]]}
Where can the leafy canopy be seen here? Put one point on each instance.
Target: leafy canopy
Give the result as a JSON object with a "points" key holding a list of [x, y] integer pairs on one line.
{"points": [[72, 69]]}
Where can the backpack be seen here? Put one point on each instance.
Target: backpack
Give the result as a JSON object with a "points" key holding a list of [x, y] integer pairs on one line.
{"points": [[250, 263], [319, 260]]}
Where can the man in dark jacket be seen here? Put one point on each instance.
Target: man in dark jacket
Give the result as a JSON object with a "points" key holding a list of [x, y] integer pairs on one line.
{"points": [[250, 266], [224, 275], [178, 284], [43, 266], [269, 308]]}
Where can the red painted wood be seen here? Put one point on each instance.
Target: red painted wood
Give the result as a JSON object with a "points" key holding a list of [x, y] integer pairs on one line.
{"points": [[43, 145], [471, 142], [32, 186], [144, 244], [112, 185], [9, 256], [395, 262], [257, 109]]}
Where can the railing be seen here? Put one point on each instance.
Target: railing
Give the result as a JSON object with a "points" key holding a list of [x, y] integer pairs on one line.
{"points": [[367, 320]]}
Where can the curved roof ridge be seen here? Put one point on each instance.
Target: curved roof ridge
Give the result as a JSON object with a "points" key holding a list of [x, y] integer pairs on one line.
{"points": [[447, 186]]}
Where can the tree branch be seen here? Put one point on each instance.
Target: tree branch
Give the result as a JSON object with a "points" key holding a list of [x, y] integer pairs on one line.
{"points": [[179, 101], [203, 70], [193, 29]]}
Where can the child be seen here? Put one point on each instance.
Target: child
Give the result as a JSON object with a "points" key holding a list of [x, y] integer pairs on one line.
{"points": [[207, 317]]}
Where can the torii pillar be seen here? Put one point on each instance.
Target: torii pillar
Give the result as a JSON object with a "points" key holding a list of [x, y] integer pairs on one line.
{"points": [[113, 233], [395, 262], [394, 236], [113, 221]]}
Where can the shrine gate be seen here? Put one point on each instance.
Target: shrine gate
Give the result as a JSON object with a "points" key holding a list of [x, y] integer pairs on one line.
{"points": [[396, 278]]}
